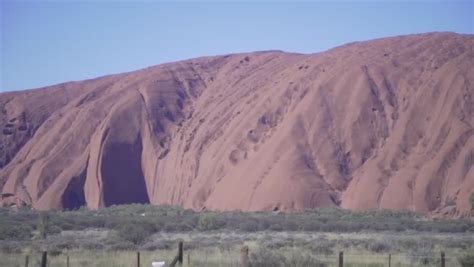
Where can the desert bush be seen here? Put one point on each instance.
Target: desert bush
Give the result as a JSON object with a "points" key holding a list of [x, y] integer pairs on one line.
{"points": [[19, 224], [275, 244], [14, 231], [161, 245], [170, 227], [186, 225], [299, 259], [92, 245], [11, 247], [121, 245], [208, 222], [379, 247], [268, 258], [311, 225], [321, 249], [276, 227], [54, 252], [467, 260], [136, 232], [423, 253], [249, 226]]}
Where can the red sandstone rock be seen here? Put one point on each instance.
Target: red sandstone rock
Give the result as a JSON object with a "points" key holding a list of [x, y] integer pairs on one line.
{"points": [[386, 123]]}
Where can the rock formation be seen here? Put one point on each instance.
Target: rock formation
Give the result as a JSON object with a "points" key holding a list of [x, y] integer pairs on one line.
{"points": [[387, 123]]}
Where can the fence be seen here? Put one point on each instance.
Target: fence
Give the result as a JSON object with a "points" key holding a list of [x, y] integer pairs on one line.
{"points": [[340, 260]]}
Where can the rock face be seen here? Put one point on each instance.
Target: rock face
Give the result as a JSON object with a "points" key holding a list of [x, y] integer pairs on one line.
{"points": [[387, 123]]}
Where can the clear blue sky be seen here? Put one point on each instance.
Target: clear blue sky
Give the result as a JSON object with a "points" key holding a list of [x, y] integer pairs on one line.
{"points": [[48, 42]]}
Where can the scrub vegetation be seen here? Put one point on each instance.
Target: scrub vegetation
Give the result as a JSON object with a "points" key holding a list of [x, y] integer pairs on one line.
{"points": [[307, 238]]}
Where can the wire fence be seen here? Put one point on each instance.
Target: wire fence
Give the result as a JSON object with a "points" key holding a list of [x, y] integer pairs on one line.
{"points": [[190, 258]]}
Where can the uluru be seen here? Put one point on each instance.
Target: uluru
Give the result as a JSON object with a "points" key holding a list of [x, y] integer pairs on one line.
{"points": [[379, 124]]}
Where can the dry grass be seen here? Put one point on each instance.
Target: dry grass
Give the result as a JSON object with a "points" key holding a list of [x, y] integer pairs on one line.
{"points": [[222, 248]]}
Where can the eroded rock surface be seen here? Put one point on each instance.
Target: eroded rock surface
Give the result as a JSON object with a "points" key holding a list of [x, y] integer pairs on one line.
{"points": [[387, 123]]}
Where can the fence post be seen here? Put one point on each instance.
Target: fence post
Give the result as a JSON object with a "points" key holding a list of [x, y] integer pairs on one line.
{"points": [[180, 252], [244, 256], [189, 259], [67, 261], [138, 258], [389, 260], [44, 259], [27, 259], [179, 257], [341, 259], [443, 260]]}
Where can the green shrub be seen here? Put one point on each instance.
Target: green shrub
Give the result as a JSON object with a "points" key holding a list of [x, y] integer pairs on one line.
{"points": [[11, 247], [266, 258], [208, 222], [173, 219], [13, 231], [135, 232], [249, 226], [467, 260], [379, 247]]}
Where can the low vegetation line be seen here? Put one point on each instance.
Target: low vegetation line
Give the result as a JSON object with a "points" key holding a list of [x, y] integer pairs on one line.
{"points": [[317, 236]]}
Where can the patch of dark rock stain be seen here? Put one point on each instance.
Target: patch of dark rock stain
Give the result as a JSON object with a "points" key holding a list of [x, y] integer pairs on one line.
{"points": [[468, 163], [6, 195], [169, 116], [343, 161], [252, 136], [309, 162], [123, 179], [158, 127], [190, 115], [246, 59], [182, 94], [7, 131], [335, 200], [165, 142], [164, 153], [193, 86], [179, 103], [366, 153], [73, 196]]}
